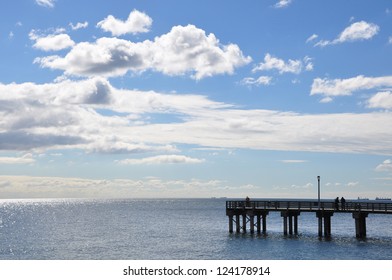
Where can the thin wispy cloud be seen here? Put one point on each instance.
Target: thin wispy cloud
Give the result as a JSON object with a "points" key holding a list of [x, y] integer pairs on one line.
{"points": [[79, 25], [293, 161], [162, 159], [385, 166], [46, 3], [25, 159], [283, 4], [262, 80]]}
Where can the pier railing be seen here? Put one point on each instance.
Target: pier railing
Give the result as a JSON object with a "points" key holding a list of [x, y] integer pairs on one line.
{"points": [[311, 206]]}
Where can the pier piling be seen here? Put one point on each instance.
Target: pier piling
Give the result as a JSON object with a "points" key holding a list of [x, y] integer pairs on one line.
{"points": [[290, 216], [360, 224], [326, 216]]}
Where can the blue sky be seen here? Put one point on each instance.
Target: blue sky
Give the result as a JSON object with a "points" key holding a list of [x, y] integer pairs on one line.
{"points": [[195, 98]]}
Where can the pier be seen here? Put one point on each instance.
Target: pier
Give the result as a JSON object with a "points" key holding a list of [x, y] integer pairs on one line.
{"points": [[253, 214]]}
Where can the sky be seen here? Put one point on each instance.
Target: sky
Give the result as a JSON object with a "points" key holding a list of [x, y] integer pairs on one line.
{"points": [[151, 99]]}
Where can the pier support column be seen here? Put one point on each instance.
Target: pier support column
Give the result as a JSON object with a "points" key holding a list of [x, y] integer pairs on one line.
{"points": [[265, 223], [231, 224], [252, 223], [244, 223], [285, 225], [258, 222], [237, 223], [296, 224], [261, 220], [360, 224], [320, 226], [326, 215], [327, 226], [291, 216]]}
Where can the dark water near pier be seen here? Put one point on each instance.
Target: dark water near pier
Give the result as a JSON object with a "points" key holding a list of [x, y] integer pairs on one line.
{"points": [[172, 229]]}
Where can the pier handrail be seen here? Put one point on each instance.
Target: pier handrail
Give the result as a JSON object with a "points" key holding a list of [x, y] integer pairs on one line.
{"points": [[311, 205]]}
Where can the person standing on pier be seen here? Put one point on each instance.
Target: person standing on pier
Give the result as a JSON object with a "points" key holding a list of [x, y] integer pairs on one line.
{"points": [[247, 201], [343, 202], [337, 203]]}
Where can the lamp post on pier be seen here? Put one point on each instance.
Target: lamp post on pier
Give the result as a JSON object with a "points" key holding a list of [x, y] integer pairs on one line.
{"points": [[318, 181]]}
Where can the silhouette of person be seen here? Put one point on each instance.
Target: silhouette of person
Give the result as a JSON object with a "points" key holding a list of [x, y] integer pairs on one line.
{"points": [[337, 203], [343, 201], [247, 201]]}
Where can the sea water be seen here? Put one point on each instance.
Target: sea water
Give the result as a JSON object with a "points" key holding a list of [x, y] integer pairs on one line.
{"points": [[164, 229]]}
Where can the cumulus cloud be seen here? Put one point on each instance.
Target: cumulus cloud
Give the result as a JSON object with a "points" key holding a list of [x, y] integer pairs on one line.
{"points": [[54, 42], [162, 159], [137, 22], [291, 66], [46, 3], [342, 87], [185, 49], [283, 3], [357, 31], [381, 100]]}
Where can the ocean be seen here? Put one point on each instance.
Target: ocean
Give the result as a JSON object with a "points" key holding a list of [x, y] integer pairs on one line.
{"points": [[167, 229]]}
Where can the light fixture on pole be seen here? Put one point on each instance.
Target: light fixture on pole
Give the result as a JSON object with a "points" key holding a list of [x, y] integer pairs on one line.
{"points": [[318, 180]]}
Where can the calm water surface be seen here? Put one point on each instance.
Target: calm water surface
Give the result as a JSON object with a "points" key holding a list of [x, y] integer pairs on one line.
{"points": [[172, 229]]}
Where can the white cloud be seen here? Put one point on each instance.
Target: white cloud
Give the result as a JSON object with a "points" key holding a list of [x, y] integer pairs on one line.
{"points": [[390, 40], [326, 99], [184, 50], [381, 100], [352, 184], [46, 3], [93, 116], [262, 80], [54, 42], [79, 25], [386, 166], [291, 66], [343, 87], [312, 38], [293, 161], [283, 3], [162, 159], [358, 31], [306, 186], [25, 159], [137, 22]]}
